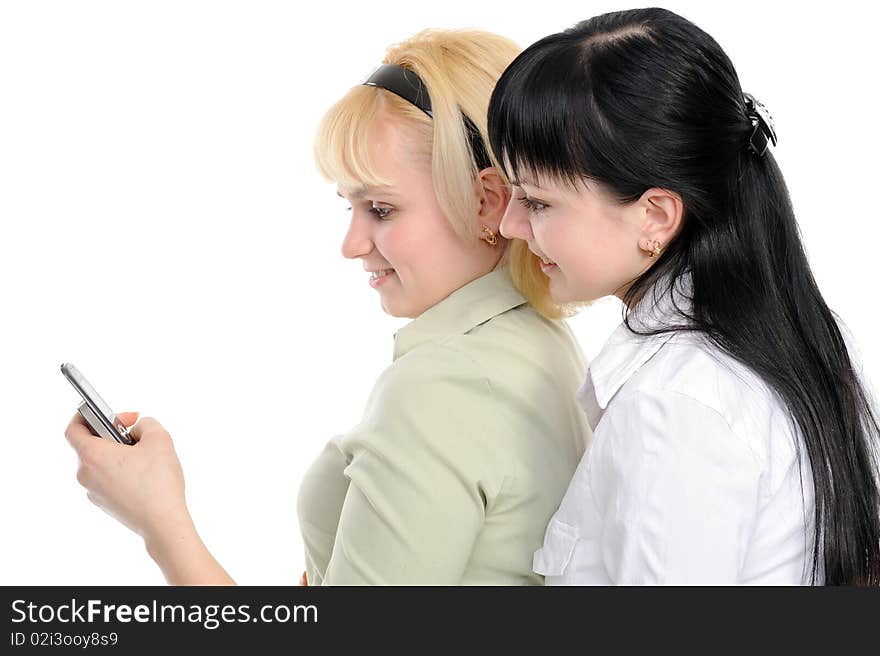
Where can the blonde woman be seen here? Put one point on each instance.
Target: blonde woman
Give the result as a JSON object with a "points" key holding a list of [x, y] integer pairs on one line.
{"points": [[471, 434]]}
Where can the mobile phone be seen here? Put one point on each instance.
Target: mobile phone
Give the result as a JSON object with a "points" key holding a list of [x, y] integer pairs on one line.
{"points": [[95, 410]]}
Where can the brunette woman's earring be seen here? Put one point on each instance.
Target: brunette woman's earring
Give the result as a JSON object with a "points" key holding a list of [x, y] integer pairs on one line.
{"points": [[655, 248], [489, 237]]}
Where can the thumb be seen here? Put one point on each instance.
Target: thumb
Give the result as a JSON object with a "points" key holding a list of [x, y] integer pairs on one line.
{"points": [[127, 418]]}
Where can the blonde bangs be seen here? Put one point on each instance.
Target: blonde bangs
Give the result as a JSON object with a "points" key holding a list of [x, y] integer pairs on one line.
{"points": [[342, 153]]}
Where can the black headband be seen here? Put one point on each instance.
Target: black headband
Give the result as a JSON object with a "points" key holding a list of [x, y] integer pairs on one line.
{"points": [[409, 86], [403, 82]]}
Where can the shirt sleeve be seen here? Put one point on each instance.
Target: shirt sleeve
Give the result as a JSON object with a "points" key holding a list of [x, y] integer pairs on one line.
{"points": [[419, 480], [677, 489]]}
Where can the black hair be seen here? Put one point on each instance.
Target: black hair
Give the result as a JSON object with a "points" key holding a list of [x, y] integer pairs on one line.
{"points": [[644, 98]]}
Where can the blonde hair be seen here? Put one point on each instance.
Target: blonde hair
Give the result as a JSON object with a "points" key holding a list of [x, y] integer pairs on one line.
{"points": [[459, 69], [525, 271]]}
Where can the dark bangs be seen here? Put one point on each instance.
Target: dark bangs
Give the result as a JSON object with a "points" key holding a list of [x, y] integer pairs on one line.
{"points": [[533, 113], [545, 120]]}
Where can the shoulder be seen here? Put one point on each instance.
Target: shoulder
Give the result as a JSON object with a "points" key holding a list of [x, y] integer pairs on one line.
{"points": [[520, 348], [513, 349], [654, 441], [434, 398], [441, 364], [691, 375], [524, 326]]}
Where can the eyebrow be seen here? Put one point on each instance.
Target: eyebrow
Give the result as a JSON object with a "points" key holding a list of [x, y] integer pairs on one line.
{"points": [[522, 181], [361, 192]]}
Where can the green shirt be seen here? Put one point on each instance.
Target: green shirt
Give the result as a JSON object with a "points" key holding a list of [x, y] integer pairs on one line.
{"points": [[465, 449]]}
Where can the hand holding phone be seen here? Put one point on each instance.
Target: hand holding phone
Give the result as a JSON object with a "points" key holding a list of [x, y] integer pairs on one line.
{"points": [[95, 410], [142, 487]]}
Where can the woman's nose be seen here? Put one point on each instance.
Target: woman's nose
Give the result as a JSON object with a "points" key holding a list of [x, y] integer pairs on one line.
{"points": [[515, 222], [358, 240]]}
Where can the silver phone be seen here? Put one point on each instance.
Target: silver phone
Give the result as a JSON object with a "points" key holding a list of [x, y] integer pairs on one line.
{"points": [[95, 410]]}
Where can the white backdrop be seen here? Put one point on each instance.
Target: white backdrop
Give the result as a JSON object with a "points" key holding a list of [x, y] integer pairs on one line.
{"points": [[164, 229]]}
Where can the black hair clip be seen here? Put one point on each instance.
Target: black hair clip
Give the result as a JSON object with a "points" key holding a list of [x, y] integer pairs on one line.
{"points": [[763, 128]]}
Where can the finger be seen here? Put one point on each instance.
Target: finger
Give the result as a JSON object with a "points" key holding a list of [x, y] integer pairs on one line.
{"points": [[87, 445], [144, 427], [127, 418], [78, 432]]}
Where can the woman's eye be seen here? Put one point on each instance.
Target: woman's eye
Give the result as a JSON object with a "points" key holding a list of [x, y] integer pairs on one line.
{"points": [[533, 206], [381, 212], [378, 212]]}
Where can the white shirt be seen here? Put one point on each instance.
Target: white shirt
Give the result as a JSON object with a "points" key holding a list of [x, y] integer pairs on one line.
{"points": [[692, 473]]}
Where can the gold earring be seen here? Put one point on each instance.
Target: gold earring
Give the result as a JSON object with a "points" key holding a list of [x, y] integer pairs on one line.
{"points": [[656, 250], [490, 237]]}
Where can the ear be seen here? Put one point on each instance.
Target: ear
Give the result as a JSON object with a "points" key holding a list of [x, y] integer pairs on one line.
{"points": [[493, 195], [662, 212]]}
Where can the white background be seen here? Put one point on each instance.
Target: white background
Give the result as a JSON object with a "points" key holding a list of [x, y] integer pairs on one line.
{"points": [[164, 228]]}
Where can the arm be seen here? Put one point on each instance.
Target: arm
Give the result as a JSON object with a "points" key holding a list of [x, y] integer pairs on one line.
{"points": [[184, 559], [142, 486], [419, 475]]}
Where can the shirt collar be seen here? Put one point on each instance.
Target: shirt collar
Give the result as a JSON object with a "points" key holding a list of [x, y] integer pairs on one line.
{"points": [[625, 352], [464, 309]]}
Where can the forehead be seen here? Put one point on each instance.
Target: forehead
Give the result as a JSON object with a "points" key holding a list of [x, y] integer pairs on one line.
{"points": [[391, 156], [394, 142]]}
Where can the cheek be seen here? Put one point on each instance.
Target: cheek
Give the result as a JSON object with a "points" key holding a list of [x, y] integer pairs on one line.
{"points": [[590, 252], [420, 240], [391, 240], [406, 246]]}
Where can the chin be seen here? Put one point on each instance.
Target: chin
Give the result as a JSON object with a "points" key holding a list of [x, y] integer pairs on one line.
{"points": [[394, 310]]}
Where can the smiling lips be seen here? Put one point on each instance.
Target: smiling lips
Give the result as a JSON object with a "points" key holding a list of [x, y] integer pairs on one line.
{"points": [[379, 277]]}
